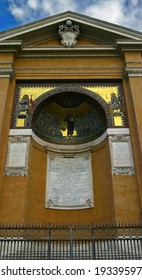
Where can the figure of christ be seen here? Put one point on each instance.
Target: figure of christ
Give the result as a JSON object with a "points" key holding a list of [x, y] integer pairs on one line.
{"points": [[70, 125]]}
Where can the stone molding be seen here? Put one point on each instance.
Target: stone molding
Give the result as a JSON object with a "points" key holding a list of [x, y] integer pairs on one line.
{"points": [[9, 171], [75, 148], [130, 171], [18, 139], [133, 72], [118, 131], [20, 132], [7, 73], [109, 131]]}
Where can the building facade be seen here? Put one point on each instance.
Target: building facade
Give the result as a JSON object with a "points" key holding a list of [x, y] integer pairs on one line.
{"points": [[70, 122]]}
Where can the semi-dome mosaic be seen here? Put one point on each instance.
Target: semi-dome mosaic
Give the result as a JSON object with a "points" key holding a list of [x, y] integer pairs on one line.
{"points": [[69, 113], [69, 117]]}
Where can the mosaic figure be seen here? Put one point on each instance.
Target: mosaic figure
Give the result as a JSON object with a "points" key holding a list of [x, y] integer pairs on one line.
{"points": [[23, 104], [115, 104], [70, 125]]}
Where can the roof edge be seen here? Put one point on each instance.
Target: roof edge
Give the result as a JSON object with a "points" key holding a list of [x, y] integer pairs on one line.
{"points": [[97, 23]]}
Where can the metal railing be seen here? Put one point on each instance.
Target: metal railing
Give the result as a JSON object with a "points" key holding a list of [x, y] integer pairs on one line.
{"points": [[66, 242]]}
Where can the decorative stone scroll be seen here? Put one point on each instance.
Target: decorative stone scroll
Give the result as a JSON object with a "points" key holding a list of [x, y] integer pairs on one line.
{"points": [[17, 156], [121, 155], [69, 181]]}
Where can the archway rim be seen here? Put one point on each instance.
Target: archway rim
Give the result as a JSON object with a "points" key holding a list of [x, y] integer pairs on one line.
{"points": [[78, 90], [75, 89]]}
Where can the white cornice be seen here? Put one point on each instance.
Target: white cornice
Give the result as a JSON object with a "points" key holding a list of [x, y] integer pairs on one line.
{"points": [[56, 51], [11, 46], [60, 51], [78, 51], [129, 45]]}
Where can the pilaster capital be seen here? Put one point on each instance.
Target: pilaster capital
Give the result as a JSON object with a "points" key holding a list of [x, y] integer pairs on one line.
{"points": [[133, 72], [7, 73]]}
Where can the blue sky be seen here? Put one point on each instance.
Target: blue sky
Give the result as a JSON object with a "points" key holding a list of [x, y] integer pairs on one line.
{"points": [[127, 13]]}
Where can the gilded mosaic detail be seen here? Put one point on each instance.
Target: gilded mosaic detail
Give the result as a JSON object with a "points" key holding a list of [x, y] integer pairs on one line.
{"points": [[112, 96], [24, 104], [69, 110]]}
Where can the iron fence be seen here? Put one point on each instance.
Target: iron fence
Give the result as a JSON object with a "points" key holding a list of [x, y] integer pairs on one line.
{"points": [[77, 242]]}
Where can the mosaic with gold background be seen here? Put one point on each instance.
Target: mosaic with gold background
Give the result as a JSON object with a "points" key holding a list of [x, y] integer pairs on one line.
{"points": [[27, 94]]}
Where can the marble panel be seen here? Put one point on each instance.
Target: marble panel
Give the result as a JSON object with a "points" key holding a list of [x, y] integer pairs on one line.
{"points": [[121, 155], [69, 182], [17, 156]]}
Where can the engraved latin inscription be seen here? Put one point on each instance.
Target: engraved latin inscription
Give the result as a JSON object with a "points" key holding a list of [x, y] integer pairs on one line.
{"points": [[69, 182]]}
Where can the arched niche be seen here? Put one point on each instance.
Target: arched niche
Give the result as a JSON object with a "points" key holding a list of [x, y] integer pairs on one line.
{"points": [[70, 116]]}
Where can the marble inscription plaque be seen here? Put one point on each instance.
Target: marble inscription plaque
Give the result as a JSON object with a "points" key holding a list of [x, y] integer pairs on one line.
{"points": [[122, 154], [69, 182], [17, 155]]}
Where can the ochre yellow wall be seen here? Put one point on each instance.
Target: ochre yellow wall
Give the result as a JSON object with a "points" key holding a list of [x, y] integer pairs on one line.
{"points": [[70, 68], [116, 198], [133, 101], [103, 197], [12, 200], [126, 199]]}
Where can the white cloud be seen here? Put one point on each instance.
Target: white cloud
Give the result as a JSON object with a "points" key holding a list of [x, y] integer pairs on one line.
{"points": [[33, 4], [123, 12], [108, 10], [36, 9], [56, 6], [16, 10]]}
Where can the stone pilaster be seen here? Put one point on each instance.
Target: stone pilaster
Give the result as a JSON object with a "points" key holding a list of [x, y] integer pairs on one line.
{"points": [[6, 74]]}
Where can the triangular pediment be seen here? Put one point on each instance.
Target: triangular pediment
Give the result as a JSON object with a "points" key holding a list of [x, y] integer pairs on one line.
{"points": [[92, 31], [56, 41]]}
